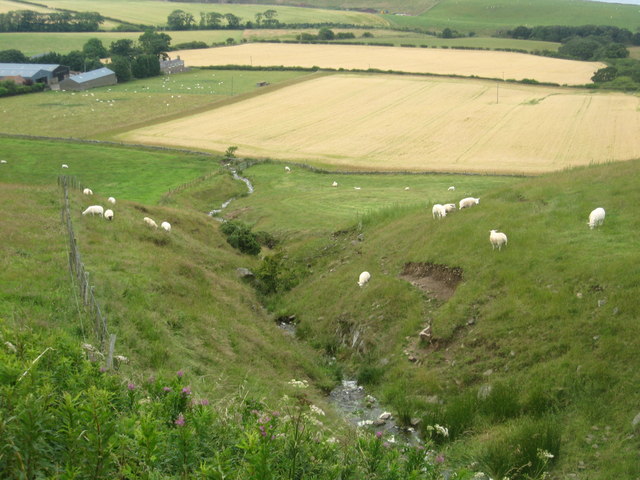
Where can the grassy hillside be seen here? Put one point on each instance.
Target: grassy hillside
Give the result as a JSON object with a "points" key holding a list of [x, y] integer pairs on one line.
{"points": [[548, 323], [488, 16]]}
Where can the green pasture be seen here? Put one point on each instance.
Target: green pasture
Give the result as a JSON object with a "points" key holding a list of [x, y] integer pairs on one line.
{"points": [[489, 16], [152, 12], [305, 201], [96, 113], [8, 6]]}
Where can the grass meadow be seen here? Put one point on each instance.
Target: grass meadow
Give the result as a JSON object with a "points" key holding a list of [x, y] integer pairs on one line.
{"points": [[96, 113], [485, 17]]}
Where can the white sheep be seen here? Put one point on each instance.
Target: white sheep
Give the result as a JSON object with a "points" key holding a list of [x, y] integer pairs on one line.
{"points": [[87, 191], [438, 211], [64, 165], [108, 214], [3, 161], [469, 202], [287, 169], [111, 200], [94, 210], [497, 239], [150, 222], [166, 226], [334, 184], [596, 218], [451, 188], [356, 188], [364, 278], [449, 207], [407, 188]]}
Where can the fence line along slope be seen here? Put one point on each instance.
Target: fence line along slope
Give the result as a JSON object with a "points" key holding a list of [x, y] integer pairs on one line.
{"points": [[388, 122], [486, 64]]}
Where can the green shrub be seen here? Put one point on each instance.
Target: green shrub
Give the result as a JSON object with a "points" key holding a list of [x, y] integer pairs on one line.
{"points": [[240, 236]]}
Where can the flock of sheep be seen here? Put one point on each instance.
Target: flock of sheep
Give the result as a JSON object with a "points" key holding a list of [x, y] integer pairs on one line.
{"points": [[108, 214]]}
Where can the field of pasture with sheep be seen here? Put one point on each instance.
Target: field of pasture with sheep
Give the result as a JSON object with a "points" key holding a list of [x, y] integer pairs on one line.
{"points": [[381, 262]]}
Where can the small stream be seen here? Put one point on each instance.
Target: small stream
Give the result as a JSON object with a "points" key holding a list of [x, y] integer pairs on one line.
{"points": [[250, 190]]}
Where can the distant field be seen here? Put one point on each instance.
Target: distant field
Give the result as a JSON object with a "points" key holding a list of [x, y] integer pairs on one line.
{"points": [[484, 16], [153, 12], [503, 65], [95, 113], [7, 6], [385, 122]]}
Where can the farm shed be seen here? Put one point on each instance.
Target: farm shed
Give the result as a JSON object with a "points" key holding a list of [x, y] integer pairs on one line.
{"points": [[84, 81], [173, 66], [50, 74]]}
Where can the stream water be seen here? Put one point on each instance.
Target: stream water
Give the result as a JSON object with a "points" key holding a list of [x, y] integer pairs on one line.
{"points": [[225, 204]]}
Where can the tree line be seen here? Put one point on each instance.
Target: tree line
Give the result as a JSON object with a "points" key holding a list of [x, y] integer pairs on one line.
{"points": [[181, 20], [65, 21], [563, 33]]}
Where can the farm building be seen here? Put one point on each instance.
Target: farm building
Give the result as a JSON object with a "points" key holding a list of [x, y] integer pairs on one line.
{"points": [[84, 81], [173, 66], [49, 74]]}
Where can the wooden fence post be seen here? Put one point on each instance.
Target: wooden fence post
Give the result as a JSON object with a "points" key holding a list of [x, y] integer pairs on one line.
{"points": [[112, 345]]}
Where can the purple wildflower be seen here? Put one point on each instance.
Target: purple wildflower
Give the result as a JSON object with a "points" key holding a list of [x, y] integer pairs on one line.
{"points": [[131, 386], [166, 389], [440, 459], [180, 420], [103, 369], [186, 391], [204, 402], [378, 434], [180, 373]]}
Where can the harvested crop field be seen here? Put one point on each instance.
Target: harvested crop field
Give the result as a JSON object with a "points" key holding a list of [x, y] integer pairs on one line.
{"points": [[485, 64], [390, 122]]}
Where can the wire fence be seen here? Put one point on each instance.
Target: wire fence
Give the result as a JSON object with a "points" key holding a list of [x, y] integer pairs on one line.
{"points": [[81, 275]]}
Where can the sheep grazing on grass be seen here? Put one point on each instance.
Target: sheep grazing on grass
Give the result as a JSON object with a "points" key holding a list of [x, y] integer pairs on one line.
{"points": [[364, 278], [108, 214], [150, 222], [596, 218], [356, 188], [287, 169], [166, 226], [87, 191], [497, 239], [111, 200], [334, 184], [468, 202], [3, 161], [407, 188], [438, 211], [94, 210], [449, 207], [64, 165], [451, 188]]}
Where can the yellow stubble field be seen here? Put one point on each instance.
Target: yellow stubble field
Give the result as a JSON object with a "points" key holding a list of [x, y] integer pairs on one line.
{"points": [[391, 122], [481, 63]]}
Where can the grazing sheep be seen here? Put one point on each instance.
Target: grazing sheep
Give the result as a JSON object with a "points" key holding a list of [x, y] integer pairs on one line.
{"points": [[150, 222], [596, 218], [449, 207], [334, 184], [497, 239], [3, 161], [438, 211], [64, 165], [287, 169], [364, 278], [356, 188], [87, 191], [166, 226], [94, 210], [108, 214], [451, 188], [111, 200], [407, 188], [469, 202]]}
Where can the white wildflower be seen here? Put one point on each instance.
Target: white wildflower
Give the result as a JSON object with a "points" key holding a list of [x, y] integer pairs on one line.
{"points": [[316, 410], [362, 423], [542, 454], [444, 431], [299, 383], [331, 440]]}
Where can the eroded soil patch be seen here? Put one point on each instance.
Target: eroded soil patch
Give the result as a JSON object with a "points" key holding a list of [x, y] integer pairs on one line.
{"points": [[437, 281]]}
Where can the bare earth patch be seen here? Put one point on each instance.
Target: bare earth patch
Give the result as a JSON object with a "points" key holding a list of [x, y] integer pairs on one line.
{"points": [[437, 281], [397, 122], [486, 64]]}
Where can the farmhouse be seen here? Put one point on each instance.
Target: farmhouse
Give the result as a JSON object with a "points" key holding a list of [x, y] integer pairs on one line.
{"points": [[84, 81], [173, 66], [49, 74]]}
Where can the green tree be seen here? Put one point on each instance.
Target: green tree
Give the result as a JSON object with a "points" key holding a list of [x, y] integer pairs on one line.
{"points": [[270, 18], [13, 56], [180, 20], [123, 48], [613, 50], [580, 48], [146, 65], [122, 67], [605, 75], [93, 48], [153, 43], [232, 20], [74, 60], [326, 34], [258, 17], [210, 20]]}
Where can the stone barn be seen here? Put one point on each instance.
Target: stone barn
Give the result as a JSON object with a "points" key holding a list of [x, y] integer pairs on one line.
{"points": [[101, 77]]}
